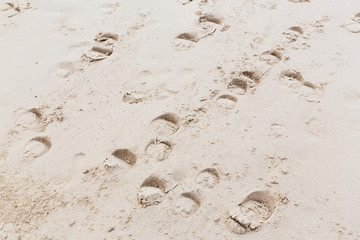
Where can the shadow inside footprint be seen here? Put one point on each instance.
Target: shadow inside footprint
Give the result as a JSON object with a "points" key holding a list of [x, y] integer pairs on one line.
{"points": [[106, 37], [208, 177], [210, 21], [29, 119], [125, 155], [293, 33], [251, 213], [238, 86], [158, 150], [271, 57], [152, 191], [292, 79], [193, 37], [226, 101], [103, 49], [356, 18], [37, 147], [166, 124], [353, 27], [188, 203], [98, 53]]}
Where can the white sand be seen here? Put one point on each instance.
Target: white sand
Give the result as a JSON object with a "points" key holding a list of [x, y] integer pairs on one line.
{"points": [[203, 119]]}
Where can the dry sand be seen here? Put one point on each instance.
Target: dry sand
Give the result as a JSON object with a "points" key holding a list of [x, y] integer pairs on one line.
{"points": [[180, 119]]}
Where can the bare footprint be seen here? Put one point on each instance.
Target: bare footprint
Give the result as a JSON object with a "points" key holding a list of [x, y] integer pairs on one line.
{"points": [[292, 79], [188, 40], [126, 156], [152, 191], [356, 18], [158, 150], [353, 27], [107, 38], [210, 20], [271, 57], [103, 48], [98, 53], [10, 9], [37, 147], [188, 203], [293, 33], [29, 119], [245, 81], [166, 124], [208, 177], [226, 101], [251, 213], [238, 86]]}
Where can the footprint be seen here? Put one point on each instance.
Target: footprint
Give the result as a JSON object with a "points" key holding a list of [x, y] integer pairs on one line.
{"points": [[211, 18], [238, 86], [98, 53], [158, 150], [293, 33], [126, 156], [311, 92], [226, 101], [353, 27], [188, 203], [103, 48], [356, 18], [152, 191], [29, 119], [208, 178], [10, 9], [188, 40], [210, 21], [134, 97], [271, 57], [166, 124], [106, 38], [252, 212], [295, 81], [37, 147], [251, 78], [292, 79]]}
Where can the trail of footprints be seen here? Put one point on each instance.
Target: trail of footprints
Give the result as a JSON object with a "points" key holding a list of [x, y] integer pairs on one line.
{"points": [[247, 216], [246, 81], [32, 120], [258, 206]]}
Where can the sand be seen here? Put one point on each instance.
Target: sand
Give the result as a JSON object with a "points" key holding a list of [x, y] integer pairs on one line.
{"points": [[179, 119]]}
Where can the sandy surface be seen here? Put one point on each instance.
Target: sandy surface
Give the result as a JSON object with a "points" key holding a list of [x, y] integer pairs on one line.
{"points": [[177, 119]]}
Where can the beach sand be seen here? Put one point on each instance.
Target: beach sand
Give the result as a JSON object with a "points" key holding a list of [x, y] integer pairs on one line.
{"points": [[179, 119]]}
